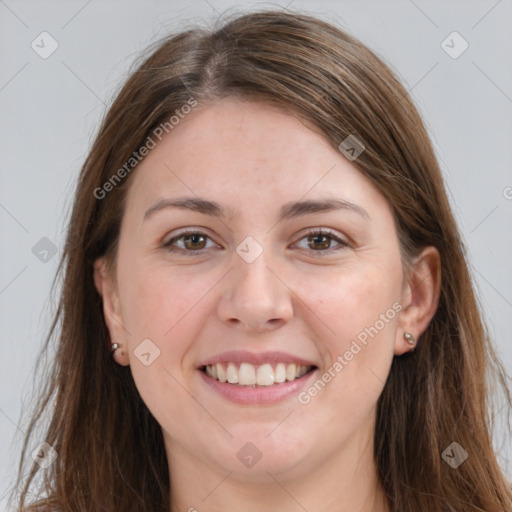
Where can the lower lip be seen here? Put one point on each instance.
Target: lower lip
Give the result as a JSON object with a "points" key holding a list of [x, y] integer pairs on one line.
{"points": [[248, 395]]}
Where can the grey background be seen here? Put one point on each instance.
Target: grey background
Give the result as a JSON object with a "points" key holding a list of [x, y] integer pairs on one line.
{"points": [[50, 109]]}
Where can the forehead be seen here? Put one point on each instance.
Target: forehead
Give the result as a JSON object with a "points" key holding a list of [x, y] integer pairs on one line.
{"points": [[246, 152]]}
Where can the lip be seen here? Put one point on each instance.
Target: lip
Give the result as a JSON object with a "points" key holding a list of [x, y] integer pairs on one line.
{"points": [[258, 395], [255, 358]]}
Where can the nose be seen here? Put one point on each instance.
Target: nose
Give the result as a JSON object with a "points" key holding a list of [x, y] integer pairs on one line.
{"points": [[255, 297]]}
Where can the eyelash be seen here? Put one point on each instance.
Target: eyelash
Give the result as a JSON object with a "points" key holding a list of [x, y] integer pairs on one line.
{"points": [[319, 232]]}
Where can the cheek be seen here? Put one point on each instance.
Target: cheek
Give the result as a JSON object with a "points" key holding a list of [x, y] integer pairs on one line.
{"points": [[355, 306], [352, 298], [167, 307], [157, 300]]}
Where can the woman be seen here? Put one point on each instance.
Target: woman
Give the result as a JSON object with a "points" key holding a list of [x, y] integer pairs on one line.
{"points": [[266, 303]]}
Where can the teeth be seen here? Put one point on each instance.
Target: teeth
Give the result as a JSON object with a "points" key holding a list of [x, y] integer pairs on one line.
{"points": [[291, 372], [265, 375], [221, 373], [250, 375], [247, 374], [232, 374], [280, 373]]}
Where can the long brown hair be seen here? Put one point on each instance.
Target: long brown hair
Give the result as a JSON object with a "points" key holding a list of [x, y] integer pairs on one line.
{"points": [[110, 449]]}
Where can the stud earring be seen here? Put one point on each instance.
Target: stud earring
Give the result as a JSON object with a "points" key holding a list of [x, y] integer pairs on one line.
{"points": [[409, 338], [114, 347]]}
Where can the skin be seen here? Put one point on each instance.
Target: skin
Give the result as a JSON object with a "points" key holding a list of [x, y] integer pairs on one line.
{"points": [[253, 158]]}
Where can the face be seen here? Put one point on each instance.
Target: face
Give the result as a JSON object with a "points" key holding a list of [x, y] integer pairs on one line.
{"points": [[279, 251]]}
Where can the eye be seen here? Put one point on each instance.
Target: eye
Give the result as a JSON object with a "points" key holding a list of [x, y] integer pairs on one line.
{"points": [[191, 241], [321, 241], [188, 241]]}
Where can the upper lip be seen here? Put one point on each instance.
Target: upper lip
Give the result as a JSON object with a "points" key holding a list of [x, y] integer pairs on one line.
{"points": [[255, 358]]}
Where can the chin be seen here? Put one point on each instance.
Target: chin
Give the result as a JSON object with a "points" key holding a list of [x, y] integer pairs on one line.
{"points": [[255, 453]]}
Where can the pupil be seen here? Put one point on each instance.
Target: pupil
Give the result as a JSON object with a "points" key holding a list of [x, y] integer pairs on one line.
{"points": [[195, 239], [325, 238]]}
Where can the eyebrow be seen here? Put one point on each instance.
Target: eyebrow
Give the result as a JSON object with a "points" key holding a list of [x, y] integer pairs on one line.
{"points": [[288, 211]]}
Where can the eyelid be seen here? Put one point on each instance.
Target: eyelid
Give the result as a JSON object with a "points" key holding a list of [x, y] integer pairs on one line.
{"points": [[321, 231], [183, 233], [327, 232]]}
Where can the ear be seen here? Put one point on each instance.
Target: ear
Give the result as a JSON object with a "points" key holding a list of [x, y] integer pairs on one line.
{"points": [[106, 287], [420, 297]]}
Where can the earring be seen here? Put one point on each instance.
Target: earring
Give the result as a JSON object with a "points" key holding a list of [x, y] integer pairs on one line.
{"points": [[114, 347], [409, 338]]}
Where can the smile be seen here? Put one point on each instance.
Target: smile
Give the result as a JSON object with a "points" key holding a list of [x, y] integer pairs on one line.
{"points": [[247, 374]]}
